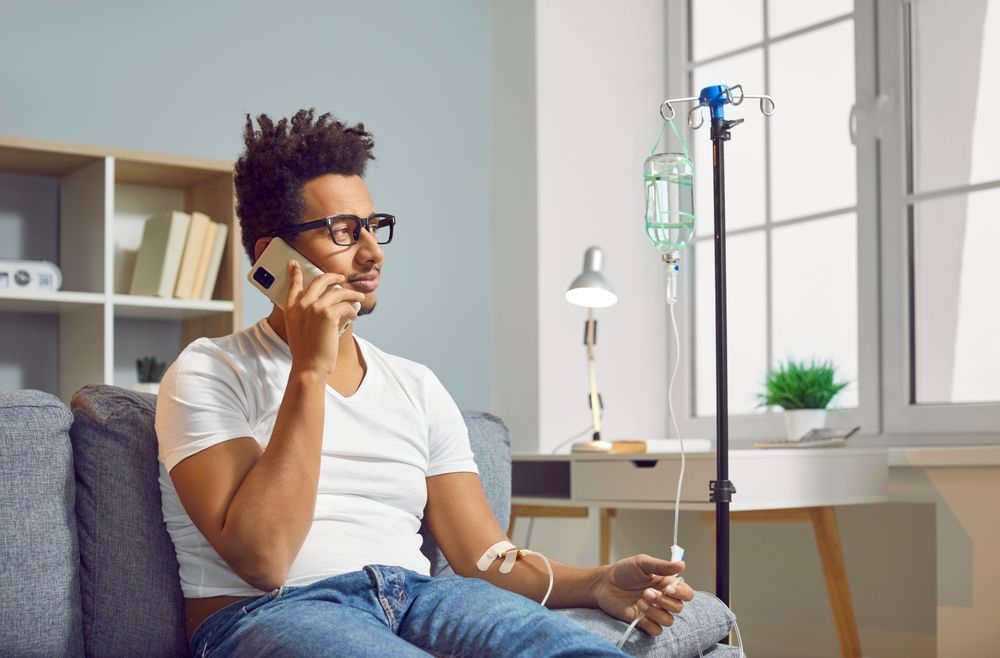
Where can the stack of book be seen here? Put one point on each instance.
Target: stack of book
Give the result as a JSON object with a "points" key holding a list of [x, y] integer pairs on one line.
{"points": [[179, 256]]}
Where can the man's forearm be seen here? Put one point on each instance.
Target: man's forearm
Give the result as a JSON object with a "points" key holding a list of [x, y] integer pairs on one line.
{"points": [[272, 511], [574, 587]]}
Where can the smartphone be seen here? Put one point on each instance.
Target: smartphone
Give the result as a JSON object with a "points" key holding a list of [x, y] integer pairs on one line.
{"points": [[270, 275]]}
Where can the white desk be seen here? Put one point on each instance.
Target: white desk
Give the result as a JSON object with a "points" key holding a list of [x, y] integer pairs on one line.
{"points": [[764, 479], [790, 484]]}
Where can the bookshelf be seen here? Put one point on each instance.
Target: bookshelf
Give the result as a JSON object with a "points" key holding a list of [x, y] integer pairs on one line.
{"points": [[83, 208]]}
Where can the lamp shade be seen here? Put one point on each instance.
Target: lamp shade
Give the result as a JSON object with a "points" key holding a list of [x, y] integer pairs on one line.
{"points": [[590, 289]]}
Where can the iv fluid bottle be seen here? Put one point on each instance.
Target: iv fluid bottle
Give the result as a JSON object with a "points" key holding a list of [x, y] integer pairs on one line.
{"points": [[669, 180]]}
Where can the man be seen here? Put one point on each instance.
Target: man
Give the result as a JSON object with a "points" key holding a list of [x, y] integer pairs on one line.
{"points": [[301, 461]]}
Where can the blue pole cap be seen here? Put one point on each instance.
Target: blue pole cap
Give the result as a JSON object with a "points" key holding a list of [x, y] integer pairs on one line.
{"points": [[715, 97]]}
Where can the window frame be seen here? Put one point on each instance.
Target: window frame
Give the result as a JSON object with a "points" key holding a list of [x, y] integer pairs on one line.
{"points": [[927, 423], [745, 429]]}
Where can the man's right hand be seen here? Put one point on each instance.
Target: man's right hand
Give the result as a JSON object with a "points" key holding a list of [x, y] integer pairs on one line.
{"points": [[313, 317]]}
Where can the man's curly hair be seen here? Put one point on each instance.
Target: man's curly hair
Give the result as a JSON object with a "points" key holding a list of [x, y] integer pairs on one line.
{"points": [[280, 158]]}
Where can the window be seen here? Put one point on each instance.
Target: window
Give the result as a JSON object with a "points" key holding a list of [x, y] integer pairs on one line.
{"points": [[794, 203], [941, 190], [861, 218]]}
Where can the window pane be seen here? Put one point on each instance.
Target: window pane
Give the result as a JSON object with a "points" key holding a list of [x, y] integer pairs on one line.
{"points": [[721, 26], [956, 317], [812, 159], [787, 15], [744, 153], [746, 311], [815, 304], [956, 66]]}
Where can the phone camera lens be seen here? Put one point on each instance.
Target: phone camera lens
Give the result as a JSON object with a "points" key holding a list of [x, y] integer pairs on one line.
{"points": [[263, 277]]}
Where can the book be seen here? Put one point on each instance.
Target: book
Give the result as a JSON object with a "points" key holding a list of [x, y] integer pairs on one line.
{"points": [[192, 252], [215, 261], [203, 258], [158, 260]]}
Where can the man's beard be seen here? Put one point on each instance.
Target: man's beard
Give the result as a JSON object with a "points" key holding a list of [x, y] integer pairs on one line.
{"points": [[367, 310]]}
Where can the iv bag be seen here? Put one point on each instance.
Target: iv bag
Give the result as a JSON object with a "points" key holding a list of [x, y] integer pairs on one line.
{"points": [[669, 180]]}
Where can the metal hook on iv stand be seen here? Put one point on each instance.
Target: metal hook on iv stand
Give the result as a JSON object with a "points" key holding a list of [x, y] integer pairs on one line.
{"points": [[766, 104], [720, 490]]}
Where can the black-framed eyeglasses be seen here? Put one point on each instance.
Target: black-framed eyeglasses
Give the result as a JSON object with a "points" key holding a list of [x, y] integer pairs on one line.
{"points": [[345, 230]]}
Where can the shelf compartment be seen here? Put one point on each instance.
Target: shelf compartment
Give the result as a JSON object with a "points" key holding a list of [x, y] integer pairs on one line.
{"points": [[136, 338], [136, 202]]}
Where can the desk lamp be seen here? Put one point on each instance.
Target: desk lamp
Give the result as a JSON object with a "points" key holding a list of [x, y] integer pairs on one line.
{"points": [[591, 290]]}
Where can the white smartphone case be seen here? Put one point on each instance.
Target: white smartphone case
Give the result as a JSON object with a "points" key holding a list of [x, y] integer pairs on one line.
{"points": [[270, 274]]}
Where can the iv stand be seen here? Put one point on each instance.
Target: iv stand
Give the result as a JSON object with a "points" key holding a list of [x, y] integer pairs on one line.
{"points": [[721, 490]]}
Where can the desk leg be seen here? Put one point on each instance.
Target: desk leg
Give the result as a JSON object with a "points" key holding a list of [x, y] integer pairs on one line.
{"points": [[607, 513], [824, 520], [831, 556]]}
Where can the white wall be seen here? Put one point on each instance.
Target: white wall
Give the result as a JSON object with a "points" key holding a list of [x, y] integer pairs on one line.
{"points": [[515, 218], [599, 78]]}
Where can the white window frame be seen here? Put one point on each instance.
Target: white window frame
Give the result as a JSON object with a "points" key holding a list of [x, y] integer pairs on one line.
{"points": [[744, 429], [942, 423]]}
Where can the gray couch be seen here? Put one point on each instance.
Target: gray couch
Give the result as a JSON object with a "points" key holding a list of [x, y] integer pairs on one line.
{"points": [[87, 567]]}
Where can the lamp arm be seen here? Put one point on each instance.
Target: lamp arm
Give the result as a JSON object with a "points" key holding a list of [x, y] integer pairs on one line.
{"points": [[590, 338]]}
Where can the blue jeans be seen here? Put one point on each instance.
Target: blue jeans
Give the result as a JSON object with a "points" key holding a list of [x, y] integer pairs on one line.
{"points": [[392, 611]]}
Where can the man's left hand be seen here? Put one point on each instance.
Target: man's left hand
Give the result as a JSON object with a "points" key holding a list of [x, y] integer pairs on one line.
{"points": [[643, 584]]}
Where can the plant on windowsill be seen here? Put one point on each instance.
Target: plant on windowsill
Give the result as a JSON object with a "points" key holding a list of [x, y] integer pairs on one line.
{"points": [[804, 390], [150, 372]]}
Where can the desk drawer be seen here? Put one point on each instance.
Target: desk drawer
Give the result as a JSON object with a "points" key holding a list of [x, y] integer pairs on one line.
{"points": [[640, 480]]}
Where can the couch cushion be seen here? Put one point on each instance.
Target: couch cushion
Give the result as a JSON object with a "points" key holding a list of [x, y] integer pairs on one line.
{"points": [[131, 595], [704, 621], [39, 560]]}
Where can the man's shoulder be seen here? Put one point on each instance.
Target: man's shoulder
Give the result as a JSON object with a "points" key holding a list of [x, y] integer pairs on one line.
{"points": [[230, 350], [399, 365]]}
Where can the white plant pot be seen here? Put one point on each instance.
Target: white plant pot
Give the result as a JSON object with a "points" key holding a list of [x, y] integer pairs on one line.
{"points": [[799, 421], [153, 388]]}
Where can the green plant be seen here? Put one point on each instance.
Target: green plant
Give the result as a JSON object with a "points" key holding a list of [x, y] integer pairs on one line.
{"points": [[801, 385], [150, 370]]}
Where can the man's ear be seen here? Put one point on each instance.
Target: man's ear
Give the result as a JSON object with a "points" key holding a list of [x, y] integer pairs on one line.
{"points": [[260, 246]]}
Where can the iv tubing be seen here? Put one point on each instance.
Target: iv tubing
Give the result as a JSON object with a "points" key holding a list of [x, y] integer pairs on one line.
{"points": [[680, 479], [673, 420], [548, 566]]}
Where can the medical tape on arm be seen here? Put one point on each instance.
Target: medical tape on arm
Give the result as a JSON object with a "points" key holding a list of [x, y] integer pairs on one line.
{"points": [[509, 552]]}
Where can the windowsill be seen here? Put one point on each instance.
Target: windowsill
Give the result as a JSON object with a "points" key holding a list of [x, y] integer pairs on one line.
{"points": [[928, 451], [944, 456]]}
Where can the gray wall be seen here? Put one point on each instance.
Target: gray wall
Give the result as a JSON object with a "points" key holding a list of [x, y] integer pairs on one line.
{"points": [[178, 77]]}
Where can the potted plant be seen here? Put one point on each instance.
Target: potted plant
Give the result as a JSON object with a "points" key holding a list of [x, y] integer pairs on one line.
{"points": [[804, 390], [150, 372]]}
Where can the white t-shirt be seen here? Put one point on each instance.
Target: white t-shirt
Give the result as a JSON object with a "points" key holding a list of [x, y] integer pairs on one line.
{"points": [[379, 446]]}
